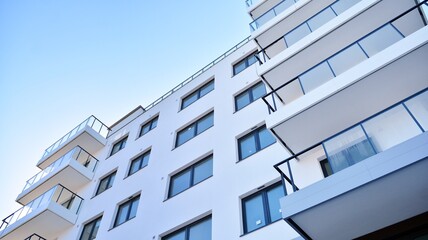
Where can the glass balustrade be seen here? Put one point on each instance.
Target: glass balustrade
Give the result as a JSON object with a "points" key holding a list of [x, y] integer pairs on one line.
{"points": [[273, 12]]}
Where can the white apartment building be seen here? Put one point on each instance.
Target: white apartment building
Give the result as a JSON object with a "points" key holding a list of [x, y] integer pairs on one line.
{"points": [[314, 127]]}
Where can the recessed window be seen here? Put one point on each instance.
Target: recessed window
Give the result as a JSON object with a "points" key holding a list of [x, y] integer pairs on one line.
{"points": [[200, 92], [90, 229], [200, 230], [106, 183], [254, 141], [195, 129], [245, 63], [127, 211], [326, 168], [118, 146], [191, 176], [139, 162], [250, 95], [148, 126], [262, 208]]}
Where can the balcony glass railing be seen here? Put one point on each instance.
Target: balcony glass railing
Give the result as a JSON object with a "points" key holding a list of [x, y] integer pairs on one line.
{"points": [[91, 122], [350, 56], [273, 12], [251, 2], [58, 194], [77, 154], [371, 136], [35, 237]]}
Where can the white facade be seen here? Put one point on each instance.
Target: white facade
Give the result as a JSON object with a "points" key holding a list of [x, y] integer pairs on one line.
{"points": [[302, 114]]}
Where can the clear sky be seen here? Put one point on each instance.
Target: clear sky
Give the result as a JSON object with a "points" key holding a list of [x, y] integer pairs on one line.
{"points": [[61, 61]]}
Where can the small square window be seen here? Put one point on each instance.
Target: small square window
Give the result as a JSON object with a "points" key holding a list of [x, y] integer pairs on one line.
{"points": [[250, 95], [139, 162], [147, 127], [127, 211], [195, 129], [244, 63], [90, 230], [118, 146], [254, 141], [197, 94], [106, 183]]}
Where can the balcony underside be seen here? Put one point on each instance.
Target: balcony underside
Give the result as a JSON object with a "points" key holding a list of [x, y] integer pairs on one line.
{"points": [[71, 174], [382, 190], [357, 94], [48, 221], [87, 138]]}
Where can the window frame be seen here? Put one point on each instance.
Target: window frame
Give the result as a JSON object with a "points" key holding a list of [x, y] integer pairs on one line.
{"points": [[198, 93], [249, 91], [130, 203], [140, 158], [122, 143], [325, 164], [193, 125], [256, 132], [108, 177], [150, 124], [244, 60], [266, 210], [187, 228], [190, 168], [94, 221]]}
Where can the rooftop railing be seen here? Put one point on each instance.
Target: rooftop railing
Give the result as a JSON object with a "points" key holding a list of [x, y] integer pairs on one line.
{"points": [[35, 237], [77, 154], [273, 12], [378, 133], [350, 56], [58, 194], [91, 122]]}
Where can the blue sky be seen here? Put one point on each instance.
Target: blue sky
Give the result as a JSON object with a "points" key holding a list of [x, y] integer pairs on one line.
{"points": [[61, 61]]}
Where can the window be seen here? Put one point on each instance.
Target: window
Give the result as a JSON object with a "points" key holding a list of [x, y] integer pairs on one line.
{"points": [[90, 229], [326, 168], [106, 183], [127, 211], [148, 126], [118, 146], [244, 63], [202, 91], [195, 129], [191, 176], [262, 208], [250, 95], [139, 162], [200, 230], [254, 142]]}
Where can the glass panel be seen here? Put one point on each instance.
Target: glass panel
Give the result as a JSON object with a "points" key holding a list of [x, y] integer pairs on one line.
{"points": [[326, 168], [121, 214], [391, 128], [134, 207], [189, 100], [284, 5], [205, 123], [110, 183], [316, 77], [346, 59], [145, 159], [135, 166], [380, 40], [86, 233], [145, 129], [185, 134], [239, 67], [247, 146], [265, 138], [254, 213], [343, 5], [96, 227], [206, 89], [273, 196], [203, 171], [154, 123], [297, 34], [180, 183], [348, 148], [177, 236], [418, 106], [201, 231], [265, 18], [258, 91], [242, 100], [321, 18], [251, 59]]}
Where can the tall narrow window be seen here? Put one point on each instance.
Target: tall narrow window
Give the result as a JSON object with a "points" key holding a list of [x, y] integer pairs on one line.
{"points": [[326, 168], [106, 183], [148, 126], [244, 63], [127, 211], [118, 146], [254, 141], [200, 230], [250, 95], [139, 162], [200, 92], [195, 129], [90, 229], [262, 208]]}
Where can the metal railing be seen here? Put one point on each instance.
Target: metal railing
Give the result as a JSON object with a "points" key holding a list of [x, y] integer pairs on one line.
{"points": [[251, 2], [360, 141], [58, 194], [311, 79], [91, 121], [271, 13], [77, 154], [35, 237]]}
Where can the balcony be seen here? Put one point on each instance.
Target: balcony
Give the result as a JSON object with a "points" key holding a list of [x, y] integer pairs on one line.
{"points": [[49, 214], [374, 72], [377, 175], [74, 169], [257, 8], [90, 134], [35, 237], [271, 13]]}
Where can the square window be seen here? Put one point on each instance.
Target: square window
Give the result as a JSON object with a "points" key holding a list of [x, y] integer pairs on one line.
{"points": [[244, 63], [90, 230], [195, 129], [106, 183], [197, 94], [139, 162], [199, 230], [250, 95], [148, 126], [118, 146], [254, 141], [127, 211]]}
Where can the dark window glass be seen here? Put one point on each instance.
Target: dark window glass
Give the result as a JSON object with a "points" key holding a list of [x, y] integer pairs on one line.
{"points": [[139, 162], [106, 183], [254, 142], [250, 95], [195, 129], [326, 168], [202, 91], [191, 176], [200, 230], [90, 230], [262, 208], [118, 146], [148, 126], [127, 211], [244, 63]]}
